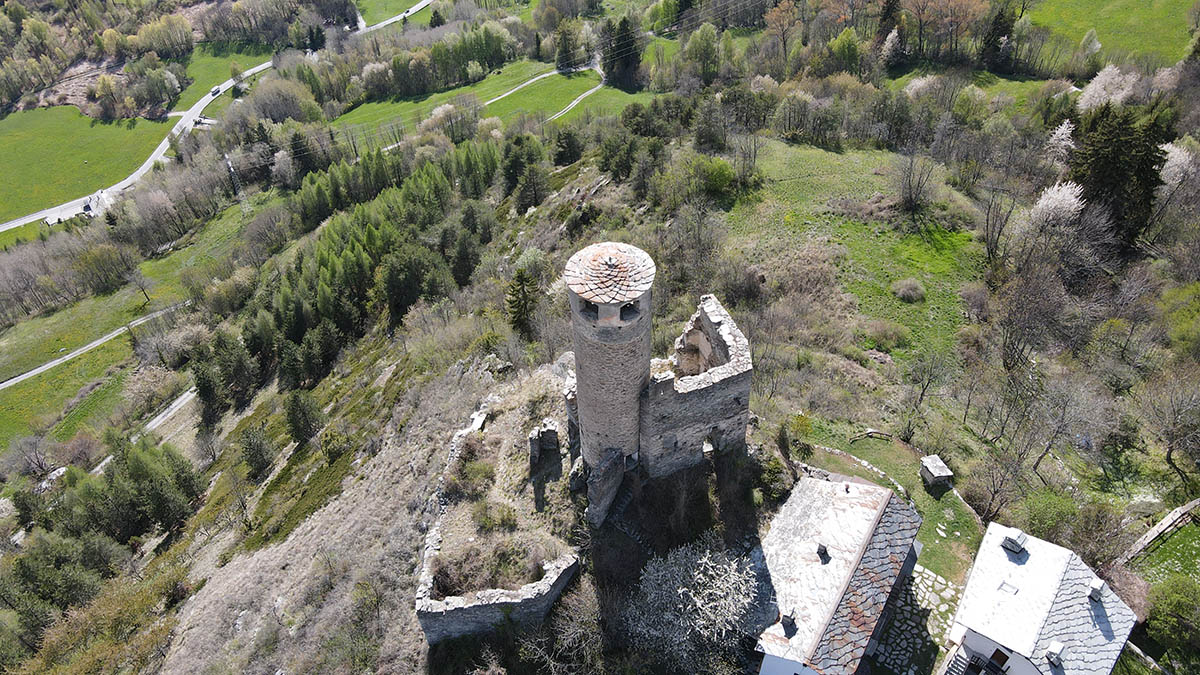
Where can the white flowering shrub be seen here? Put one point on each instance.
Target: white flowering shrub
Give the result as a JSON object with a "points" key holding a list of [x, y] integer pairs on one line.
{"points": [[892, 50], [1180, 166], [695, 600], [1061, 144], [1109, 86], [1059, 204], [764, 84], [920, 86]]}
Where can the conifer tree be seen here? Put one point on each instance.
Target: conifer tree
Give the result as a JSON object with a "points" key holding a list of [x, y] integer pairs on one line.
{"points": [[521, 300]]}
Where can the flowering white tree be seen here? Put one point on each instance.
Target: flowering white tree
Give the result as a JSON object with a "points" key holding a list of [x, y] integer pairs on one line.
{"points": [[1059, 204], [1109, 86], [891, 50], [1060, 144], [691, 603], [920, 86]]}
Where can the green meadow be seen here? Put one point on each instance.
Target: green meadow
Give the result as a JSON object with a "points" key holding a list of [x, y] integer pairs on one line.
{"points": [[210, 64], [52, 155], [1156, 27]]}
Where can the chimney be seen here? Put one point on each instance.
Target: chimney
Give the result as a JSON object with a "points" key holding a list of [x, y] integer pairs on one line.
{"points": [[1054, 652], [822, 551], [1015, 540], [1096, 592], [788, 619]]}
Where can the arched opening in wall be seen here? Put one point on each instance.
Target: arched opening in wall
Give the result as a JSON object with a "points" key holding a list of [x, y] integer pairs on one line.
{"points": [[590, 310], [629, 311]]}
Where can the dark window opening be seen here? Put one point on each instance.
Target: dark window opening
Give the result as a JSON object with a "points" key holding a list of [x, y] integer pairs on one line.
{"points": [[590, 311], [629, 312]]}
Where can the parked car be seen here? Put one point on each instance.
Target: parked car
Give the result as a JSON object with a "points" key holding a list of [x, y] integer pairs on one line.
{"points": [[216, 91]]}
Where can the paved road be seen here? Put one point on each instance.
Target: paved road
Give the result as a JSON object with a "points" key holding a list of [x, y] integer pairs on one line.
{"points": [[86, 348], [187, 120]]}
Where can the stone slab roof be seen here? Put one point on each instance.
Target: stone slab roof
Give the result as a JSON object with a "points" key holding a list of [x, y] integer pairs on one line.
{"points": [[1027, 601], [610, 273], [849, 629], [837, 598], [936, 467]]}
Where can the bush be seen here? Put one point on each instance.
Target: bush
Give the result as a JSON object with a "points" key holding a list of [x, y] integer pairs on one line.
{"points": [[909, 290], [490, 516], [470, 480], [335, 443], [886, 335]]}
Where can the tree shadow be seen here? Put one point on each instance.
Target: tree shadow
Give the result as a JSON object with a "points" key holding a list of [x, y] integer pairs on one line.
{"points": [[548, 469], [905, 643]]}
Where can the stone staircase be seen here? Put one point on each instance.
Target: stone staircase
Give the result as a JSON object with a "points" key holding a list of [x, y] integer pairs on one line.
{"points": [[957, 664], [617, 516]]}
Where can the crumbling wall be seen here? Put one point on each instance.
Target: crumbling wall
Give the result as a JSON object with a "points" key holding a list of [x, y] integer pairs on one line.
{"points": [[481, 612], [703, 398]]}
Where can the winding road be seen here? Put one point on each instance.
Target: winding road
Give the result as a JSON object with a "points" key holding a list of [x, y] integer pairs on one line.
{"points": [[187, 119]]}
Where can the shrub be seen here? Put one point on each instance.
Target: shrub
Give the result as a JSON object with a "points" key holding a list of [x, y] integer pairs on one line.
{"points": [[490, 516], [886, 335], [470, 480], [909, 290], [335, 443]]}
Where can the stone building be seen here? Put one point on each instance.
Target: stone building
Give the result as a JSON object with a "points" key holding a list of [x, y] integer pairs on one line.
{"points": [[632, 413]]}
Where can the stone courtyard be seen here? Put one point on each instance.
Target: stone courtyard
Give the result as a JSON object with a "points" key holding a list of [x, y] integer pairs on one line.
{"points": [[921, 614]]}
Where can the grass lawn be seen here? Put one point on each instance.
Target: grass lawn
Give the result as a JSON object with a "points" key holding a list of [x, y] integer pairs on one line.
{"points": [[40, 339], [52, 155], [608, 101], [93, 411], [1156, 27], [546, 96], [374, 11], [411, 111], [1021, 89], [42, 397], [209, 66], [1178, 552], [668, 46], [17, 235]]}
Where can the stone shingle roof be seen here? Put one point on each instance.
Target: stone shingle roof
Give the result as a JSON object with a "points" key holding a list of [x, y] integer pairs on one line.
{"points": [[837, 599], [1027, 601], [849, 629], [610, 273]]}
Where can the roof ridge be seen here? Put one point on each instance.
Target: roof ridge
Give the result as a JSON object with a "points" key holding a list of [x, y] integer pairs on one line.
{"points": [[862, 549]]}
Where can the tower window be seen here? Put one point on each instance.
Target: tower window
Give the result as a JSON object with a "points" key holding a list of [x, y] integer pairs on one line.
{"points": [[590, 311], [629, 311]]}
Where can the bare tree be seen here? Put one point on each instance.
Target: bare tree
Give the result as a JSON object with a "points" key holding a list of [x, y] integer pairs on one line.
{"points": [[996, 217], [1170, 404], [913, 176]]}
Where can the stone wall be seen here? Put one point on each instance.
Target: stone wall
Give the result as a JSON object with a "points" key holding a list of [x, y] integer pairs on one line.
{"points": [[701, 396], [480, 612]]}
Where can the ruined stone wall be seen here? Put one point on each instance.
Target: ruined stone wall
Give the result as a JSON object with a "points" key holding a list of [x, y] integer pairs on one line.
{"points": [[704, 396], [481, 612]]}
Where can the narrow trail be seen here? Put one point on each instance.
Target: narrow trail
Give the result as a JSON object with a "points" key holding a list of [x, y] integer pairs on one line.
{"points": [[86, 348]]}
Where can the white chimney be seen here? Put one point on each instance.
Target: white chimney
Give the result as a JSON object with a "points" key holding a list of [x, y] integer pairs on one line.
{"points": [[1015, 540], [1097, 590], [1054, 652]]}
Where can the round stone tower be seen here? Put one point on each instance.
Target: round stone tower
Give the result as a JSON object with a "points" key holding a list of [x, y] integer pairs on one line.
{"points": [[608, 286]]}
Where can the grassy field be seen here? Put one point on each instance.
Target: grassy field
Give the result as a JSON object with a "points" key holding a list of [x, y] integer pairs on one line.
{"points": [[40, 339], [411, 111], [209, 66], [1021, 89], [52, 155], [1179, 552], [374, 11], [607, 101], [26, 232], [793, 209], [546, 96], [42, 397], [93, 411], [1157, 27]]}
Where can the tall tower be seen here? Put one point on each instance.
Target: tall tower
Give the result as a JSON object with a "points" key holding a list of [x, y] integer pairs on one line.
{"points": [[609, 288]]}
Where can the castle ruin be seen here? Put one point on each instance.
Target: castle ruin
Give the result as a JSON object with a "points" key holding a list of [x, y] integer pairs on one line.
{"points": [[633, 413]]}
